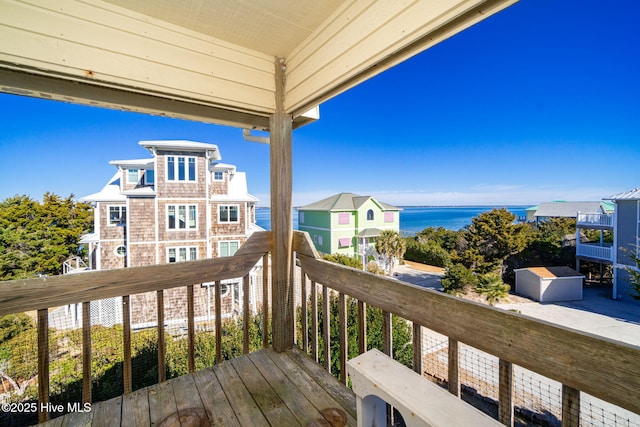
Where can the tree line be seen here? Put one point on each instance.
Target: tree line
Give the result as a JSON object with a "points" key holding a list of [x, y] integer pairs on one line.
{"points": [[36, 237], [482, 256]]}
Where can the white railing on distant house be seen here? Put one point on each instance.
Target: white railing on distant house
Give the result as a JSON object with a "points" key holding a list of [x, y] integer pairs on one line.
{"points": [[594, 219], [595, 251]]}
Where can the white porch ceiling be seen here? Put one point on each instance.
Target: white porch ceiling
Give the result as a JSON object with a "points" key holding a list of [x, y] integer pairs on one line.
{"points": [[214, 60]]}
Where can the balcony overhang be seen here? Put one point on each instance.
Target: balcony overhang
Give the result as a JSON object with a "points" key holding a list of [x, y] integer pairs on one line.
{"points": [[214, 60]]}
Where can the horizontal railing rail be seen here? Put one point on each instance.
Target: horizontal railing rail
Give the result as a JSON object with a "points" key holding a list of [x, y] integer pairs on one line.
{"points": [[580, 361], [44, 294]]}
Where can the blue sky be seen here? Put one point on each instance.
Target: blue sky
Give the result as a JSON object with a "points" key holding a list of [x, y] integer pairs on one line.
{"points": [[540, 102]]}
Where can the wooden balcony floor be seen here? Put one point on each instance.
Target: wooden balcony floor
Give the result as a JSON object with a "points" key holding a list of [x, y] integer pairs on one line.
{"points": [[264, 388]]}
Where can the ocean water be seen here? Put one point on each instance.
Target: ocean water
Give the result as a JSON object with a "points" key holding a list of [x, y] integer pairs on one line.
{"points": [[414, 219]]}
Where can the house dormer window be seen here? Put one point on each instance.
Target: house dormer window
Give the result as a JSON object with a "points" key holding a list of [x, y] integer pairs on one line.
{"points": [[218, 175], [181, 168], [149, 176], [133, 176], [370, 215]]}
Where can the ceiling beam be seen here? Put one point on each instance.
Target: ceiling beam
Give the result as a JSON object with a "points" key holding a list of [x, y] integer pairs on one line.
{"points": [[124, 99]]}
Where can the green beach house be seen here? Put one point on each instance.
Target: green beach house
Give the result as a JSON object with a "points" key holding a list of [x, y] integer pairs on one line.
{"points": [[347, 223]]}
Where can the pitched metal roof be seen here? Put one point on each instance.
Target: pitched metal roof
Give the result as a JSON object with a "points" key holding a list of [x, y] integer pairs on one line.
{"points": [[109, 193], [568, 209], [627, 195], [345, 202]]}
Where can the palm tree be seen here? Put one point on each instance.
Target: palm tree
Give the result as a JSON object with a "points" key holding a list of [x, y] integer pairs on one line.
{"points": [[391, 246]]}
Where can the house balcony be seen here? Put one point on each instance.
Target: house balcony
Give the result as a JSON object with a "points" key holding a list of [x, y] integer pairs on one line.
{"points": [[594, 220], [596, 252], [255, 383]]}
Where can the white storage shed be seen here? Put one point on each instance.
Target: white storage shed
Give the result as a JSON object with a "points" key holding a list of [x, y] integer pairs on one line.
{"points": [[549, 284]]}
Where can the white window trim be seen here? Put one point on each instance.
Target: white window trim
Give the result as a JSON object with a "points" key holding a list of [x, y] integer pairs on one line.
{"points": [[228, 242], [228, 222], [120, 207], [176, 207], [216, 179], [177, 248], [186, 169], [115, 251], [144, 177], [127, 173]]}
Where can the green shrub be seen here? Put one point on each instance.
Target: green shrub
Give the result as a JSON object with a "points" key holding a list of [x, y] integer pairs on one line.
{"points": [[493, 288], [458, 278], [344, 260], [426, 253]]}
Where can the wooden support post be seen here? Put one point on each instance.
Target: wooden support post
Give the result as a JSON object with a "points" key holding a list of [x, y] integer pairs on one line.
{"points": [[314, 321], [86, 352], [265, 301], [362, 327], [417, 349], [43, 364], [387, 334], [343, 338], [326, 328], [280, 126], [570, 406], [191, 334], [126, 337], [304, 314], [162, 370], [454, 381], [218, 304], [505, 391], [246, 314]]}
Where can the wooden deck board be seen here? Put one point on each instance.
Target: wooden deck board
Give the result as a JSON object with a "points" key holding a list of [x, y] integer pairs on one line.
{"points": [[298, 403], [214, 400], [162, 403], [307, 385], [271, 405], [245, 408], [262, 389], [136, 408]]}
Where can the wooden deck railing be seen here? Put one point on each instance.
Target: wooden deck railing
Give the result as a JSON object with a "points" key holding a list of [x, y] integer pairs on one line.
{"points": [[44, 293], [581, 362], [598, 366]]}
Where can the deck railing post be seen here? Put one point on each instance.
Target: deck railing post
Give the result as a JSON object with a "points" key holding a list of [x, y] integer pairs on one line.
{"points": [[86, 352], [454, 363], [505, 392], [43, 364], [280, 126]]}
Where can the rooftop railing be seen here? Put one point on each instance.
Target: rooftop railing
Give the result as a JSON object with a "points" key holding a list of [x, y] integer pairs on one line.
{"points": [[585, 219]]}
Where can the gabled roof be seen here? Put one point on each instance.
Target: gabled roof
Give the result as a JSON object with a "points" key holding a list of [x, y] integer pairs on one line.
{"points": [[345, 202], [236, 191], [109, 193], [627, 195], [568, 209]]}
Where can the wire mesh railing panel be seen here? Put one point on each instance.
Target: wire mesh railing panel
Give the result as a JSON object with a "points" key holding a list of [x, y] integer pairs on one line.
{"points": [[595, 412], [18, 369]]}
